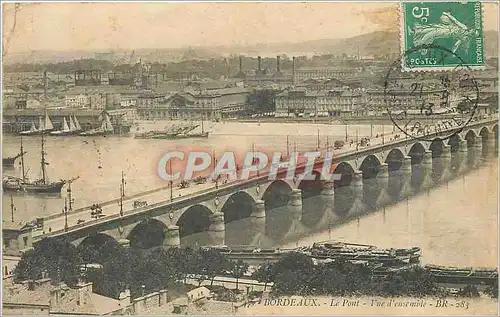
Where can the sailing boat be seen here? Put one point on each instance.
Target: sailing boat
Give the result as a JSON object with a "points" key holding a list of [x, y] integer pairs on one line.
{"points": [[40, 186], [77, 124], [9, 161], [66, 130], [105, 128], [33, 130], [44, 126]]}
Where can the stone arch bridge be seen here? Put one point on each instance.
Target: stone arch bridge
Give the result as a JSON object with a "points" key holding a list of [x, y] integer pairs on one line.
{"points": [[405, 165]]}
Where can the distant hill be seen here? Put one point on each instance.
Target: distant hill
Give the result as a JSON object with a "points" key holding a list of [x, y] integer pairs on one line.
{"points": [[375, 43]]}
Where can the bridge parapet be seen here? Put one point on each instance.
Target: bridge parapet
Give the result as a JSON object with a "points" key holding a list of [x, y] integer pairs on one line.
{"points": [[207, 196]]}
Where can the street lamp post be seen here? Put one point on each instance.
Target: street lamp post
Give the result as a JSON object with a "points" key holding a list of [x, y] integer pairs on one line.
{"points": [[171, 183], [65, 214]]}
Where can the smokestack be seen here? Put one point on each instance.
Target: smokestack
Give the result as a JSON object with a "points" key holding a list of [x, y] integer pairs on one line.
{"points": [[278, 64], [241, 64], [259, 61], [293, 70], [45, 84]]}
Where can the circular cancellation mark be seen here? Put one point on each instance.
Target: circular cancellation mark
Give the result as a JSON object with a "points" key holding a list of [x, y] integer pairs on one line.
{"points": [[426, 104]]}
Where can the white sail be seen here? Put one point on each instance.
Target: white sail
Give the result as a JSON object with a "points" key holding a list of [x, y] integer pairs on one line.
{"points": [[108, 126], [65, 127], [48, 123], [72, 126], [41, 126], [33, 128], [77, 124]]}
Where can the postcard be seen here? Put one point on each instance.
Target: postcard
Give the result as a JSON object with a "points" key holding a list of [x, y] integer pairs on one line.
{"points": [[250, 158]]}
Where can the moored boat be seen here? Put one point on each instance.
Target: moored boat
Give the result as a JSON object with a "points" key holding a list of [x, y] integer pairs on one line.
{"points": [[9, 161], [106, 128], [66, 130], [44, 126], [349, 251], [32, 131], [39, 186]]}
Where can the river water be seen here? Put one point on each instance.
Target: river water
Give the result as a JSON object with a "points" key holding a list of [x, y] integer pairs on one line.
{"points": [[455, 224]]}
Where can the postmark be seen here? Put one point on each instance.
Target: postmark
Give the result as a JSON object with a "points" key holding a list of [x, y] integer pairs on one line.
{"points": [[456, 26], [428, 105]]}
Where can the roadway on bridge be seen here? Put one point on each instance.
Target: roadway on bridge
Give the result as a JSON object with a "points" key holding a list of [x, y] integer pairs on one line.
{"points": [[52, 223]]}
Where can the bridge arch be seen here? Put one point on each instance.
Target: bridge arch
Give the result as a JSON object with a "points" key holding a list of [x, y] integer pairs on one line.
{"points": [[416, 153], [147, 234], [394, 159], [238, 206], [470, 137], [193, 220], [370, 166], [97, 248], [436, 147], [311, 188], [454, 142], [347, 173], [277, 194]]}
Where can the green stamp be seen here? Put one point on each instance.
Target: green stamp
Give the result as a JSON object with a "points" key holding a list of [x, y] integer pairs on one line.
{"points": [[442, 35]]}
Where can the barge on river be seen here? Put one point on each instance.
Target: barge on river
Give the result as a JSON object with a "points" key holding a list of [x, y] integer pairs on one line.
{"points": [[330, 251], [361, 252]]}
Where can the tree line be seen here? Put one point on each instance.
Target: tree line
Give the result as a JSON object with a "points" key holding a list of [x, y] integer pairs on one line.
{"points": [[123, 268], [146, 271]]}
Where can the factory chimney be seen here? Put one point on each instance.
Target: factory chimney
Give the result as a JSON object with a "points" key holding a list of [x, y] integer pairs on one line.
{"points": [[45, 84], [241, 64], [278, 70], [259, 59], [293, 70]]}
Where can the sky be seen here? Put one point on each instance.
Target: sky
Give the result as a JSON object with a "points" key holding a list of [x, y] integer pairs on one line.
{"points": [[111, 26]]}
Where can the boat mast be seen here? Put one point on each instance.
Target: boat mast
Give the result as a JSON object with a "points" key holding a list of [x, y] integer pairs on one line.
{"points": [[22, 160], [122, 194], [42, 162], [12, 208]]}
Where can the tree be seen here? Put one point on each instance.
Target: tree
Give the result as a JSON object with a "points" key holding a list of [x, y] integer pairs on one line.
{"points": [[215, 263], [56, 257], [265, 273], [262, 100], [238, 269]]}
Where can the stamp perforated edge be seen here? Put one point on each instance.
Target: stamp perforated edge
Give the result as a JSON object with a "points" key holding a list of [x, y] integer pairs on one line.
{"points": [[403, 49]]}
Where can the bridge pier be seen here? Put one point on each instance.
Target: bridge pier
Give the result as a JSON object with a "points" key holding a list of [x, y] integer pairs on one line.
{"points": [[490, 145], [172, 237], [406, 172], [462, 154], [478, 151], [383, 183], [295, 202], [445, 158], [328, 193], [357, 189], [426, 170], [217, 229], [258, 216]]}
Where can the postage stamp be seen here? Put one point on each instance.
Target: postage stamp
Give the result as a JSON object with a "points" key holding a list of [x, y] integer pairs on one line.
{"points": [[456, 26], [423, 105]]}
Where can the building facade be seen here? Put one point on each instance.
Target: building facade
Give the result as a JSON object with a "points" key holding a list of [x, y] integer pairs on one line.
{"points": [[86, 101], [208, 104], [301, 102], [305, 73]]}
